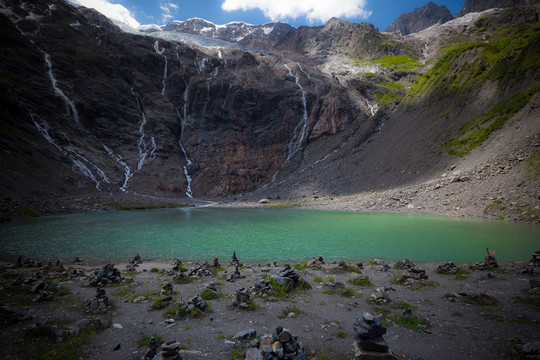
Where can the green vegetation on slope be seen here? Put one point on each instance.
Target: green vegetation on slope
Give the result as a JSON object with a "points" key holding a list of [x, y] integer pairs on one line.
{"points": [[467, 65], [474, 132]]}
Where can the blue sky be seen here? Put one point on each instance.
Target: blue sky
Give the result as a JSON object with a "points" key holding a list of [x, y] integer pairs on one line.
{"points": [[380, 13]]}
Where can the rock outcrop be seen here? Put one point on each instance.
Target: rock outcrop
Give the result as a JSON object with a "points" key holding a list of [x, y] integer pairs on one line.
{"points": [[481, 5], [420, 19]]}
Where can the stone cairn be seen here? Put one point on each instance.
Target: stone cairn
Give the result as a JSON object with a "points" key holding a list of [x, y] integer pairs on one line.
{"points": [[134, 262], [369, 343], [216, 263], [287, 277], [448, 268], [178, 270], [234, 260], [242, 299], [489, 262], [315, 262], [109, 274], [380, 296], [413, 276], [235, 275], [381, 265], [280, 345], [404, 264], [201, 270], [535, 262], [100, 302], [169, 351], [196, 303]]}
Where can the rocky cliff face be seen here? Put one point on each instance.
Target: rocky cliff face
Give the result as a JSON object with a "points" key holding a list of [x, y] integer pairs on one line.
{"points": [[133, 113], [481, 5], [420, 19], [90, 109]]}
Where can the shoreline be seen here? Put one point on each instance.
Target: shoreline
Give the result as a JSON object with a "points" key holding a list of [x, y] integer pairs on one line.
{"points": [[496, 307]]}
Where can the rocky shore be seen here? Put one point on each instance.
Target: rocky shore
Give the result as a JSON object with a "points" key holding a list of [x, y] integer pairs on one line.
{"points": [[225, 309]]}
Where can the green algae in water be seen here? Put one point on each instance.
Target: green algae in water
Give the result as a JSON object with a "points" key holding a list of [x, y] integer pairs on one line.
{"points": [[263, 235]]}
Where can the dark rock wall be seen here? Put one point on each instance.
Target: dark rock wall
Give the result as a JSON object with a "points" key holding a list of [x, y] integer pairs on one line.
{"points": [[420, 19]]}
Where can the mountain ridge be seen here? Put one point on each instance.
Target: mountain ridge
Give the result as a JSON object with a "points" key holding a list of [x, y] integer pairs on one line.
{"points": [[316, 114]]}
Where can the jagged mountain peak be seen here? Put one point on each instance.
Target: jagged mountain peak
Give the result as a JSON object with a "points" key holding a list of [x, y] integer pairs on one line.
{"points": [[420, 19]]}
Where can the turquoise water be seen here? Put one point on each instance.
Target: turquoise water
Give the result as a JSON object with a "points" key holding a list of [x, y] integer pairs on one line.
{"points": [[265, 235]]}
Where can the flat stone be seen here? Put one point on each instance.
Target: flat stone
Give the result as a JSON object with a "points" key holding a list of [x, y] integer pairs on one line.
{"points": [[376, 345], [360, 354]]}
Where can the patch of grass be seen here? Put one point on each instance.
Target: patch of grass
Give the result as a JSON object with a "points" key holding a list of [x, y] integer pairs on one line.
{"points": [[322, 303], [402, 306], [291, 309], [532, 164], [154, 270], [385, 98], [145, 340], [208, 294], [43, 346], [397, 60], [413, 322], [185, 280], [318, 279], [176, 312], [341, 334], [122, 292], [461, 275], [159, 304], [481, 300], [301, 266], [361, 281], [396, 278], [347, 292], [236, 354]]}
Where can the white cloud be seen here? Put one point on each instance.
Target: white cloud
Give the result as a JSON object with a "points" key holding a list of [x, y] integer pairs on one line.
{"points": [[167, 10], [115, 12], [313, 10]]}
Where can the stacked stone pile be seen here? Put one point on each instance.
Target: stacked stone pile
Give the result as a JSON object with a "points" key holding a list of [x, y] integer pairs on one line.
{"points": [[380, 296], [280, 345], [369, 343], [235, 275], [100, 302], [413, 276], [109, 274], [315, 262], [404, 264], [448, 268], [489, 262], [262, 288], [134, 262], [201, 270], [287, 277], [169, 351], [535, 260], [242, 299]]}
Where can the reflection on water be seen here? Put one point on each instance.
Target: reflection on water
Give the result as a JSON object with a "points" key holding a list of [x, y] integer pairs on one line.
{"points": [[263, 235]]}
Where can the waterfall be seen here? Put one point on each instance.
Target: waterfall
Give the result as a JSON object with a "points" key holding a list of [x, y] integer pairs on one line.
{"points": [[160, 52], [118, 159], [189, 193], [201, 65], [69, 104], [145, 156], [78, 160], [370, 107], [302, 70], [300, 131]]}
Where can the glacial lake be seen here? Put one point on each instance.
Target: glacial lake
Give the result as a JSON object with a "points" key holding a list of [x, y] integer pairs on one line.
{"points": [[265, 235]]}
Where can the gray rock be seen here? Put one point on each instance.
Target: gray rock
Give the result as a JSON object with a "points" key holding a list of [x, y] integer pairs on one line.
{"points": [[253, 354], [245, 335]]}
